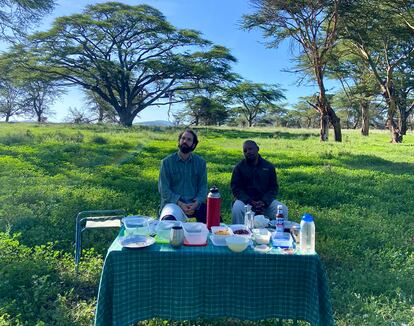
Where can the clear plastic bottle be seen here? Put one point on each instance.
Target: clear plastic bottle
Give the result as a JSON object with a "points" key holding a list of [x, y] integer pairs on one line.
{"points": [[307, 235], [248, 216]]}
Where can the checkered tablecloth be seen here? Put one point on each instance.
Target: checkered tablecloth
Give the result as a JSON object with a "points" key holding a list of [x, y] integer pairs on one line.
{"points": [[193, 282]]}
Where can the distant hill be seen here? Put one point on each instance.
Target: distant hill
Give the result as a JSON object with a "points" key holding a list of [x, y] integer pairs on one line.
{"points": [[160, 123]]}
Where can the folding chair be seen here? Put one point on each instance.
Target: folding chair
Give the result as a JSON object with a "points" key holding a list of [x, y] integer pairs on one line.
{"points": [[94, 220]]}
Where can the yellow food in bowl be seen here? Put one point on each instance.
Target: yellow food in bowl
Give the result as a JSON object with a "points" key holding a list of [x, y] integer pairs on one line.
{"points": [[222, 232], [237, 243]]}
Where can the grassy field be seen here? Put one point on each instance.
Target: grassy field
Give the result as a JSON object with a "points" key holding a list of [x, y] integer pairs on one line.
{"points": [[360, 192]]}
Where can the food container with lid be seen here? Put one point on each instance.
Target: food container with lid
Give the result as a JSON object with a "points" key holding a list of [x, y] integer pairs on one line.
{"points": [[195, 233], [163, 229], [219, 235], [261, 236], [136, 225], [241, 229]]}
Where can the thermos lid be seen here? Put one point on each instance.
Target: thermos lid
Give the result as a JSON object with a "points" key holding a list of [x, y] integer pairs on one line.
{"points": [[307, 217], [214, 189]]}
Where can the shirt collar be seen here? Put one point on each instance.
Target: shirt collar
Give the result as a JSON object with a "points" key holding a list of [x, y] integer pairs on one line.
{"points": [[178, 157], [259, 160]]}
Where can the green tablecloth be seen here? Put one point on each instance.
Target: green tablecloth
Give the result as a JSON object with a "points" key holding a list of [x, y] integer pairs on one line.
{"points": [[193, 282]]}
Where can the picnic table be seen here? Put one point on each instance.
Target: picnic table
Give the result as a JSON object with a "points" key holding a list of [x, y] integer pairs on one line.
{"points": [[209, 282]]}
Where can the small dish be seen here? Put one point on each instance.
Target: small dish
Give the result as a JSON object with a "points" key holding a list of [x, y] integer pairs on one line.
{"points": [[262, 248]]}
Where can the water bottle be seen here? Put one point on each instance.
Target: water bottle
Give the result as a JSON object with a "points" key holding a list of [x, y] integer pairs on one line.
{"points": [[213, 207], [248, 217], [307, 235], [280, 220]]}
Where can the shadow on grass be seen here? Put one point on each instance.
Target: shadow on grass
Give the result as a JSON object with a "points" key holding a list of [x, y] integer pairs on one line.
{"points": [[374, 163], [249, 134]]}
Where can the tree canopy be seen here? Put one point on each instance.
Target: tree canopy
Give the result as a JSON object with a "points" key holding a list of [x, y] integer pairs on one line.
{"points": [[17, 15], [313, 25], [253, 99], [129, 55]]}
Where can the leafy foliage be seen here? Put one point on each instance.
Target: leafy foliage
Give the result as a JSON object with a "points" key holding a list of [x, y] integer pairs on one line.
{"points": [[17, 15], [129, 56]]}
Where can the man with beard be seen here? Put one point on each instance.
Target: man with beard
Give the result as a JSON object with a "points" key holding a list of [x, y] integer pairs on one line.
{"points": [[183, 181], [254, 182]]}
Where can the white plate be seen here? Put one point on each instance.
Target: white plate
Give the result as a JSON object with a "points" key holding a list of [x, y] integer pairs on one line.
{"points": [[262, 248], [136, 241]]}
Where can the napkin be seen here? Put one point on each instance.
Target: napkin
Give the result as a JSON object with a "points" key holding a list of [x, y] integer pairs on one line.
{"points": [[260, 221]]}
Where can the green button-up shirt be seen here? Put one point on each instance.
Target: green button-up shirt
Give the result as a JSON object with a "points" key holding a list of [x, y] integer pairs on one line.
{"points": [[182, 179]]}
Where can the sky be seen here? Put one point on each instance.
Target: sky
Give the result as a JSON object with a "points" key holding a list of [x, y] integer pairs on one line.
{"points": [[219, 22]]}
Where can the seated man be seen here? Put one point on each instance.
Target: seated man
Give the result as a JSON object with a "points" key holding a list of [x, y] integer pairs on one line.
{"points": [[254, 182], [183, 182]]}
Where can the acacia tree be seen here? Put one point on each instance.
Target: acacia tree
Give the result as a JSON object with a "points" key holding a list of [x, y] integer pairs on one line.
{"points": [[16, 16], [381, 34], [11, 99], [358, 87], [129, 55], [313, 25], [101, 111], [253, 99], [202, 110], [11, 92], [40, 92]]}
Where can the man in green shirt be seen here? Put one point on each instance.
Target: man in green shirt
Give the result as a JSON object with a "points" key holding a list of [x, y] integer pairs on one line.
{"points": [[183, 181]]}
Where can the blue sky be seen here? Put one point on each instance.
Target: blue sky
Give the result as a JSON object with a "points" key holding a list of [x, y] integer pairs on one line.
{"points": [[218, 21]]}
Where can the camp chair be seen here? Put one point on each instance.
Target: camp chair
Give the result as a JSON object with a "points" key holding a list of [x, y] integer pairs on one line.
{"points": [[94, 220]]}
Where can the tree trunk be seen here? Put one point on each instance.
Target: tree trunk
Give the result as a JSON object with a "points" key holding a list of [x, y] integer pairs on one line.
{"points": [[365, 118], [39, 118], [326, 112], [391, 101], [396, 136], [403, 123], [336, 123], [324, 133], [7, 117], [100, 114], [126, 119]]}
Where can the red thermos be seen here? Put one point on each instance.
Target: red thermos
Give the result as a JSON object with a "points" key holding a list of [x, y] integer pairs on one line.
{"points": [[213, 208]]}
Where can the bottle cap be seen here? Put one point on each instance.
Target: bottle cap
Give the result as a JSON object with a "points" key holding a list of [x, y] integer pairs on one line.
{"points": [[214, 189], [307, 217]]}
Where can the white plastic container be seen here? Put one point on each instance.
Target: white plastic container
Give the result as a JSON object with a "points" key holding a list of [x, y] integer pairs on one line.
{"points": [[164, 228], [219, 235], [195, 233], [136, 225], [241, 230], [261, 236], [307, 235]]}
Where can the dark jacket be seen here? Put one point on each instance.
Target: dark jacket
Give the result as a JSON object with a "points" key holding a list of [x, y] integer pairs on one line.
{"points": [[255, 182]]}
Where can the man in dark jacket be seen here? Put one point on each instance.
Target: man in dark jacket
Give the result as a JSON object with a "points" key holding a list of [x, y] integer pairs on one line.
{"points": [[254, 182]]}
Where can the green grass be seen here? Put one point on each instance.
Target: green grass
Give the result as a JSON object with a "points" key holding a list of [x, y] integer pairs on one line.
{"points": [[360, 191]]}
